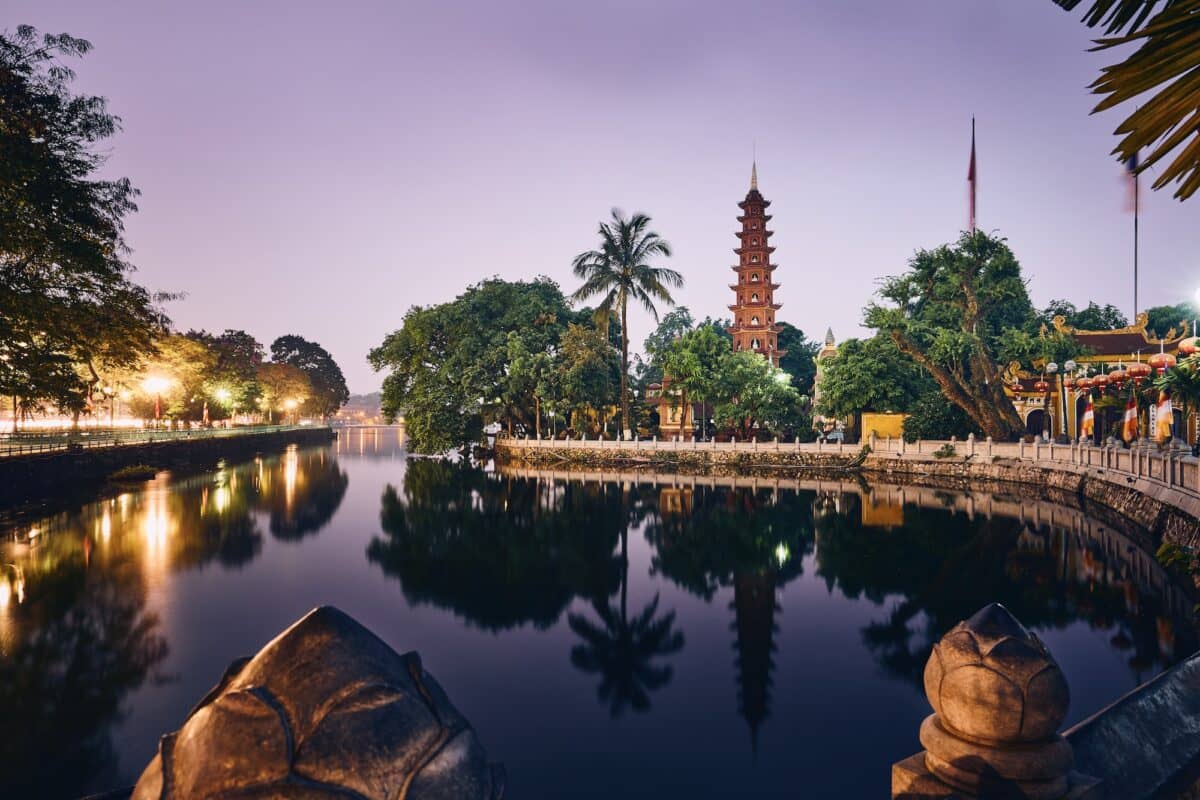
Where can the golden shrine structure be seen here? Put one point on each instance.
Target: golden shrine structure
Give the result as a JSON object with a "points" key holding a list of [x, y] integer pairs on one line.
{"points": [[1053, 401]]}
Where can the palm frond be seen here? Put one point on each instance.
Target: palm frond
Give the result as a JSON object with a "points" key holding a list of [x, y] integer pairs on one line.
{"points": [[1166, 62]]}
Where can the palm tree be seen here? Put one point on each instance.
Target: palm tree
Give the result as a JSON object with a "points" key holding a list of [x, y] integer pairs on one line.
{"points": [[620, 270], [1164, 63]]}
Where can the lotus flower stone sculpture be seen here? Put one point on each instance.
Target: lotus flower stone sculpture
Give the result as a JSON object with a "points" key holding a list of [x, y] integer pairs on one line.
{"points": [[999, 698], [326, 709]]}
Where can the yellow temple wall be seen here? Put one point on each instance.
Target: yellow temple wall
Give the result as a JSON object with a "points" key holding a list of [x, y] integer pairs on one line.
{"points": [[883, 425]]}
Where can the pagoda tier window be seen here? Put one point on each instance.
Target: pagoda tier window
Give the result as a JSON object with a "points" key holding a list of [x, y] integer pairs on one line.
{"points": [[754, 320], [754, 343], [754, 297], [754, 259], [754, 240], [754, 278]]}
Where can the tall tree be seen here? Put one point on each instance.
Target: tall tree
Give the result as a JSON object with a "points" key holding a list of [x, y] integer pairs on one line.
{"points": [[65, 289], [284, 387], [950, 314], [586, 376], [621, 270], [1164, 62], [694, 362], [328, 390], [673, 325], [752, 394], [449, 365]]}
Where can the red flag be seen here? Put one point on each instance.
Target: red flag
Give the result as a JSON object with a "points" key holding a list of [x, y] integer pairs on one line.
{"points": [[971, 180]]}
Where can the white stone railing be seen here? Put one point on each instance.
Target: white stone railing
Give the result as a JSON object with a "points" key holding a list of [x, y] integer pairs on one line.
{"points": [[1174, 469], [1171, 468]]}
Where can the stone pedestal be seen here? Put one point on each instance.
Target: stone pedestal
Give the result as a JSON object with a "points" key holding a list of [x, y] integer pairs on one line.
{"points": [[998, 699]]}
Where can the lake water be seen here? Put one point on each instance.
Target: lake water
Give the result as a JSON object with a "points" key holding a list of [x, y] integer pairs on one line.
{"points": [[606, 638]]}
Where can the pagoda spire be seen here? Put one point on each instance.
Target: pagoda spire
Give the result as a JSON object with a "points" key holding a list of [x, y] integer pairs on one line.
{"points": [[754, 327]]}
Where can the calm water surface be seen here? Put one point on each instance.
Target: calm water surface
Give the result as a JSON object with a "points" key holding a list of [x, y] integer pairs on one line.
{"points": [[605, 638]]}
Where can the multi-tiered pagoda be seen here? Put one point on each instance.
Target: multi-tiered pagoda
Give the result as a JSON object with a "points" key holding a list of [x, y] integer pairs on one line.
{"points": [[754, 304]]}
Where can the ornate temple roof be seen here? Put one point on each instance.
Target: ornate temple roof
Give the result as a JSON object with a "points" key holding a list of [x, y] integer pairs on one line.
{"points": [[1123, 342]]}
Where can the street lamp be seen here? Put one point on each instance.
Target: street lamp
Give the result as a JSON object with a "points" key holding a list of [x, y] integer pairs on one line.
{"points": [[291, 404], [225, 397]]}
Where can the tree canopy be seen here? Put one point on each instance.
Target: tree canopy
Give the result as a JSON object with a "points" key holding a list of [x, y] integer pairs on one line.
{"points": [[961, 312], [327, 390], [620, 271], [68, 309], [449, 366], [869, 375]]}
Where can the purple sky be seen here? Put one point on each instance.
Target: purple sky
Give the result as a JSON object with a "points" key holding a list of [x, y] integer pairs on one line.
{"points": [[317, 168]]}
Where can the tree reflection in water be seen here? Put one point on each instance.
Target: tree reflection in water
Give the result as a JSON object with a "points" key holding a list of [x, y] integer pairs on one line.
{"points": [[499, 553], [620, 650], [935, 567], [755, 541], [70, 654], [506, 552], [75, 635]]}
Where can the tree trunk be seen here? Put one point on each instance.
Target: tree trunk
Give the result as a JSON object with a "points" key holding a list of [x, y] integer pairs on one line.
{"points": [[683, 412], [625, 367], [985, 409], [16, 404], [537, 416]]}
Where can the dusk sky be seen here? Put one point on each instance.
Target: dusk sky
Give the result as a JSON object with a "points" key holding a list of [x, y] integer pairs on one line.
{"points": [[318, 168]]}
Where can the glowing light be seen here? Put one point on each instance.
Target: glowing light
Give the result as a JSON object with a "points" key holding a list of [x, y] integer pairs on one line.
{"points": [[291, 465], [155, 384], [223, 394], [221, 498], [782, 554], [34, 533], [5, 594]]}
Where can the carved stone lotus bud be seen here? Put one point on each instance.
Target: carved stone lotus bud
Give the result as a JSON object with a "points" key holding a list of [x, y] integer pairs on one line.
{"points": [[993, 680], [999, 698], [326, 709]]}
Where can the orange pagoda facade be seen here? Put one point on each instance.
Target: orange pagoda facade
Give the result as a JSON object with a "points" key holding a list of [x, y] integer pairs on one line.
{"points": [[754, 303]]}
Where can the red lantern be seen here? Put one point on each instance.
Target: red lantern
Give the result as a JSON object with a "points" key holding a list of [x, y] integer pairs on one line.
{"points": [[1162, 362], [1084, 384], [1138, 372], [1041, 386], [1117, 376], [1189, 346], [1100, 381], [1068, 382]]}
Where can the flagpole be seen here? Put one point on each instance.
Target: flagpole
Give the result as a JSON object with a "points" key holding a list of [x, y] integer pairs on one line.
{"points": [[1135, 246]]}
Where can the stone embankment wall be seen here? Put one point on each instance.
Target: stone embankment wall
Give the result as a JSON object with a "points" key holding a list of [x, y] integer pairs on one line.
{"points": [[29, 477], [1159, 492]]}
